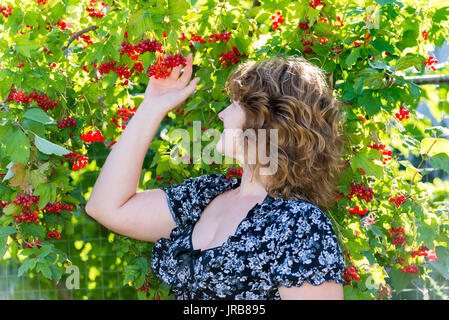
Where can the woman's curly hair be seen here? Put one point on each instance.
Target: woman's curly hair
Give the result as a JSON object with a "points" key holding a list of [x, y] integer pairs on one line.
{"points": [[292, 95]]}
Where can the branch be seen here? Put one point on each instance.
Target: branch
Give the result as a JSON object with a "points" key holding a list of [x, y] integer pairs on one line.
{"points": [[76, 35], [429, 79]]}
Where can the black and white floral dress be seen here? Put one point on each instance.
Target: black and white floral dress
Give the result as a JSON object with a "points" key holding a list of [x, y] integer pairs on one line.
{"points": [[278, 243]]}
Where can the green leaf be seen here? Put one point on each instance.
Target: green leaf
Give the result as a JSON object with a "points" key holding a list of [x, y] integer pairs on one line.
{"points": [[57, 11], [12, 209], [18, 147], [442, 254], [28, 264], [352, 57], [6, 231], [426, 234], [46, 192], [39, 115], [438, 131], [400, 280], [44, 269], [409, 39], [433, 146], [362, 160], [25, 46], [56, 272], [31, 18], [407, 62], [440, 268], [48, 147], [441, 161], [33, 229]]}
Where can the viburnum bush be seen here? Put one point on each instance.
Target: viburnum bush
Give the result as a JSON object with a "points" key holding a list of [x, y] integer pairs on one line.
{"points": [[72, 74]]}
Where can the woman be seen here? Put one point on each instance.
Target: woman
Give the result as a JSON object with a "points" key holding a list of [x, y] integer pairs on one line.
{"points": [[258, 237]]}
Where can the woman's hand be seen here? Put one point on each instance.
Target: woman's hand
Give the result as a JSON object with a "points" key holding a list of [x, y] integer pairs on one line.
{"points": [[166, 94]]}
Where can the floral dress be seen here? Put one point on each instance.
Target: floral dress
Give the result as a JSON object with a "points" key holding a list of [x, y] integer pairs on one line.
{"points": [[278, 243]]}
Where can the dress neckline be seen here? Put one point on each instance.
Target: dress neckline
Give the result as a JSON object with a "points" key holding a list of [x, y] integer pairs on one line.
{"points": [[227, 186]]}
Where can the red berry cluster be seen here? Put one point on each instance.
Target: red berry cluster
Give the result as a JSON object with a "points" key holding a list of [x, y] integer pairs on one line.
{"points": [[57, 207], [26, 200], [398, 235], [321, 19], [308, 43], [385, 152], [92, 137], [144, 287], [350, 274], [356, 210], [111, 144], [339, 20], [86, 38], [323, 40], [42, 100], [79, 161], [339, 196], [425, 35], [31, 244], [20, 65], [143, 46], [3, 203], [422, 251], [66, 122], [27, 216], [225, 36], [181, 111], [6, 11], [196, 38], [158, 177], [231, 172], [138, 66], [403, 113], [54, 234], [398, 200], [106, 67], [41, 1], [211, 164], [410, 269], [63, 25], [124, 115], [430, 60], [277, 20], [315, 3], [94, 12], [46, 50], [304, 25], [123, 72], [400, 261], [161, 69], [361, 192], [231, 56]]}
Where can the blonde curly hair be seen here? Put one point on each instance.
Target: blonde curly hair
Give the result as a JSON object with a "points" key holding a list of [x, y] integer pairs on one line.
{"points": [[292, 95]]}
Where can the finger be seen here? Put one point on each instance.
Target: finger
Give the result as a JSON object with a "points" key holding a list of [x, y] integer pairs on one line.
{"points": [[175, 72], [187, 91], [187, 73]]}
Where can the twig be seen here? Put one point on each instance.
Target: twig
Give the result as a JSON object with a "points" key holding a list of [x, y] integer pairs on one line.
{"points": [[76, 35]]}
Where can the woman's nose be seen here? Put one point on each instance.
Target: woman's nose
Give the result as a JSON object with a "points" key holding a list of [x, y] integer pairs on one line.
{"points": [[220, 116]]}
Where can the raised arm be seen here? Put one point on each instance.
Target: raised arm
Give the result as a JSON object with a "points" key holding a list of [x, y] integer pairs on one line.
{"points": [[114, 201]]}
